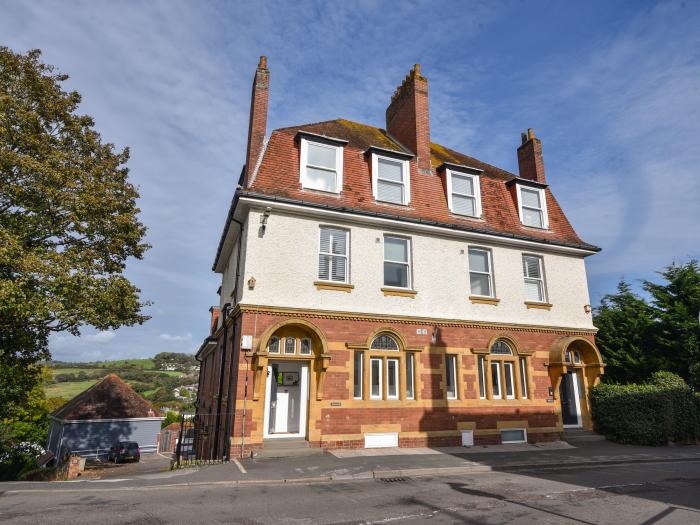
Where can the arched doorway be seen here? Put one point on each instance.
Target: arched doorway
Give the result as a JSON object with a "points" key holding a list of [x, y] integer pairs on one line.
{"points": [[575, 365], [290, 365]]}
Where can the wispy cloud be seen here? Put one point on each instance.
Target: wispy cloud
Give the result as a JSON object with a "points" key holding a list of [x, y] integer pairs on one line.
{"points": [[176, 338]]}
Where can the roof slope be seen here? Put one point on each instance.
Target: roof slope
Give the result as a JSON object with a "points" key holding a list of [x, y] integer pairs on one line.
{"points": [[278, 176], [110, 398]]}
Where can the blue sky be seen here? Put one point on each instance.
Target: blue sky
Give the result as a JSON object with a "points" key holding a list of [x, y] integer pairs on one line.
{"points": [[611, 88]]}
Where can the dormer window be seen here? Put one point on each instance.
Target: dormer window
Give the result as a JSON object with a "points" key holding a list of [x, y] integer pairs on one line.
{"points": [[532, 206], [463, 193], [390, 179], [321, 166]]}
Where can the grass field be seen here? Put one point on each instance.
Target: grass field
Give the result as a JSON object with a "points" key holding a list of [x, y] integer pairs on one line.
{"points": [[68, 390]]}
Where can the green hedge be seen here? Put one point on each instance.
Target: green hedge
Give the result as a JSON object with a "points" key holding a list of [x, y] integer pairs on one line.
{"points": [[663, 409]]}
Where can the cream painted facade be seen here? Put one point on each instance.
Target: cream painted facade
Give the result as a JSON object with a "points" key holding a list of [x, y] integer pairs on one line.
{"points": [[284, 264]]}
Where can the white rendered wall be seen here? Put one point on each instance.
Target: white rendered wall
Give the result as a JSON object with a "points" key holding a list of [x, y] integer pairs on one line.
{"points": [[284, 263]]}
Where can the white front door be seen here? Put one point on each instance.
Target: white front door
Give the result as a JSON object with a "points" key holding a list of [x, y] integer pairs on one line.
{"points": [[286, 397]]}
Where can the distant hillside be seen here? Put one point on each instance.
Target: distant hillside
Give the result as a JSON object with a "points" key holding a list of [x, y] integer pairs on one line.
{"points": [[168, 379]]}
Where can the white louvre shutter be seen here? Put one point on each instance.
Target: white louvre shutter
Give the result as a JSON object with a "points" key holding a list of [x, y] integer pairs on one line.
{"points": [[332, 259], [531, 267]]}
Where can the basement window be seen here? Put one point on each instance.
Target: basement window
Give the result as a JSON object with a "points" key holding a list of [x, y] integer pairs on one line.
{"points": [[514, 435]]}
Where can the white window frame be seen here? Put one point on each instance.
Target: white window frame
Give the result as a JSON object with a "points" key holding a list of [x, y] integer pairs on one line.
{"points": [[543, 202], [476, 182], [301, 346], [481, 370], [303, 163], [396, 378], [346, 280], [498, 376], [294, 351], [542, 278], [453, 359], [409, 279], [508, 373], [371, 361], [492, 287], [522, 365], [410, 375], [524, 440], [406, 172], [361, 372]]}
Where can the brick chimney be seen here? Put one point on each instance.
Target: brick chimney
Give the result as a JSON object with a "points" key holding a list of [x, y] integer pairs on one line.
{"points": [[530, 162], [257, 126], [214, 319], [408, 118]]}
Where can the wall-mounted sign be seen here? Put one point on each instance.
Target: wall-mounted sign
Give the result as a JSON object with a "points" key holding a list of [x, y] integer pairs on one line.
{"points": [[290, 378], [247, 342]]}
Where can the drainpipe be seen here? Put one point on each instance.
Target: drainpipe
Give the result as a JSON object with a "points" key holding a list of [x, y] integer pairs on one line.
{"points": [[234, 362], [221, 385]]}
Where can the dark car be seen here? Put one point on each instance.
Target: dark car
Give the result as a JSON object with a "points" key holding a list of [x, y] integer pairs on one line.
{"points": [[125, 451]]}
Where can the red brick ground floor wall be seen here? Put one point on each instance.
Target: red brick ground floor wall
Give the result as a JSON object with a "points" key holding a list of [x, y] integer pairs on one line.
{"points": [[337, 418]]}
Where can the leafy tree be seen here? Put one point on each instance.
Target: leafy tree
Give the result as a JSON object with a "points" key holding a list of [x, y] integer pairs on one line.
{"points": [[625, 322], [170, 417], [676, 334], [68, 223], [637, 337]]}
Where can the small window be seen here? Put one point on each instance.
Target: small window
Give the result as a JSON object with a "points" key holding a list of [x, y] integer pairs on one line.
{"points": [[384, 342], [496, 379], [451, 376], [390, 178], [523, 376], [567, 356], [510, 384], [534, 279], [321, 166], [482, 379], [463, 193], [392, 378], [514, 435], [375, 378], [333, 255], [305, 346], [480, 274], [500, 347], [273, 346], [397, 268], [357, 374], [410, 381], [533, 210], [290, 345], [577, 357]]}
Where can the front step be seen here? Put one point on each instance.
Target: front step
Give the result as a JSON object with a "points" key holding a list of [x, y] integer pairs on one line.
{"points": [[287, 448], [578, 436]]}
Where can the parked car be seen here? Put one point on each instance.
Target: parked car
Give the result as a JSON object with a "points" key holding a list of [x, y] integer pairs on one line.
{"points": [[125, 451]]}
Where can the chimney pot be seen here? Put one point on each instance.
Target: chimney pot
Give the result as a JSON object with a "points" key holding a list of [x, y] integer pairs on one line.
{"points": [[530, 133], [263, 62]]}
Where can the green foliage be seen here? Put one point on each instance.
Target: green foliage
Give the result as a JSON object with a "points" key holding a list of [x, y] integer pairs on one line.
{"points": [[637, 337], [170, 417], [68, 224], [177, 361], [653, 413]]}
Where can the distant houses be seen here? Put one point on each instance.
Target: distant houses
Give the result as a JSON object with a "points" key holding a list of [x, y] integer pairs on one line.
{"points": [[106, 413]]}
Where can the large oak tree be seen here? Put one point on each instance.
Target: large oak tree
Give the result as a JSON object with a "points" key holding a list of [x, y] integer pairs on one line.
{"points": [[68, 222]]}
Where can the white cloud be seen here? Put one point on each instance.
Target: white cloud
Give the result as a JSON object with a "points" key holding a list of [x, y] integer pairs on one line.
{"points": [[176, 338], [102, 338]]}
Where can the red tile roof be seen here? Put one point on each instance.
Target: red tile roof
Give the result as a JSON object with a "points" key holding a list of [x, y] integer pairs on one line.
{"points": [[278, 177], [110, 398]]}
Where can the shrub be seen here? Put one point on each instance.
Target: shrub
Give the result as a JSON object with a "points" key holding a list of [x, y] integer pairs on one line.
{"points": [[663, 409]]}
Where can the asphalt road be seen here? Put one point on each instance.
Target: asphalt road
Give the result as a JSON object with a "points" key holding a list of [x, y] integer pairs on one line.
{"points": [[661, 493]]}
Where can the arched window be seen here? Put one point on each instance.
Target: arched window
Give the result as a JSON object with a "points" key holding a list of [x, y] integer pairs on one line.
{"points": [[384, 342], [273, 346], [500, 347], [501, 366]]}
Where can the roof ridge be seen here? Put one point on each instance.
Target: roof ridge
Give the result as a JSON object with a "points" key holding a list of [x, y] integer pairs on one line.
{"points": [[287, 128]]}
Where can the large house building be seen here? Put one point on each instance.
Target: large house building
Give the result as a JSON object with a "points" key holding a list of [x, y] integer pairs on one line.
{"points": [[378, 289]]}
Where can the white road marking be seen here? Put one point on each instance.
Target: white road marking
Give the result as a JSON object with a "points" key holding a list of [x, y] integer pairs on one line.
{"points": [[240, 467]]}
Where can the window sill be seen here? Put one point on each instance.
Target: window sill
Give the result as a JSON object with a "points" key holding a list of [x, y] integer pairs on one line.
{"points": [[336, 287], [478, 299], [398, 292], [538, 306]]}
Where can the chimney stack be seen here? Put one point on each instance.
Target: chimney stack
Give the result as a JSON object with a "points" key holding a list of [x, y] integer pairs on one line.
{"points": [[530, 162], [408, 118], [257, 126]]}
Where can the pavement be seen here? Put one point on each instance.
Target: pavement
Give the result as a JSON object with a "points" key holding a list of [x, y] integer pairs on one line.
{"points": [[380, 464], [663, 493]]}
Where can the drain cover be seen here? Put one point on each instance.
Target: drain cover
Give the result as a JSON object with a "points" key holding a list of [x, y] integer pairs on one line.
{"points": [[393, 480]]}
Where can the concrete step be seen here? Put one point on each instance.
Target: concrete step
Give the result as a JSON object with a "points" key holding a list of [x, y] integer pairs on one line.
{"points": [[574, 436], [287, 448]]}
